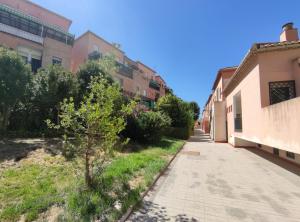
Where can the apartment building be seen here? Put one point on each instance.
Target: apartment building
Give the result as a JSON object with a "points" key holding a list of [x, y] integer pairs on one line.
{"points": [[263, 98], [135, 78], [40, 36]]}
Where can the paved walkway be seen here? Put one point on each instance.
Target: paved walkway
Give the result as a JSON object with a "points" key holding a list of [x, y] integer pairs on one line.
{"points": [[215, 182]]}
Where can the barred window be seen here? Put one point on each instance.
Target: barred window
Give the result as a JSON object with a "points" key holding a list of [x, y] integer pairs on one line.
{"points": [[290, 155], [281, 91]]}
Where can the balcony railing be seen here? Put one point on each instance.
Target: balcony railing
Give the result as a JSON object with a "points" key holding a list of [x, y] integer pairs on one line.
{"points": [[26, 23], [125, 70], [154, 85]]}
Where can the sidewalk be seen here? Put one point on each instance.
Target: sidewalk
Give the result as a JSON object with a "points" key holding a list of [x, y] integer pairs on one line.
{"points": [[214, 182]]}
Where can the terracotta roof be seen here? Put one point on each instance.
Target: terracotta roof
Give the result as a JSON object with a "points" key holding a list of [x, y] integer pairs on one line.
{"points": [[275, 44], [208, 100], [260, 48], [220, 74]]}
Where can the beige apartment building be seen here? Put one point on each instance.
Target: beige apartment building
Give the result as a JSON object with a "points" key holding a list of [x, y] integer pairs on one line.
{"points": [[40, 36], [135, 78], [262, 98]]}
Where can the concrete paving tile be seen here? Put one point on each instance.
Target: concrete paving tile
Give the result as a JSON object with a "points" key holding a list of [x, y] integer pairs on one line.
{"points": [[222, 184]]}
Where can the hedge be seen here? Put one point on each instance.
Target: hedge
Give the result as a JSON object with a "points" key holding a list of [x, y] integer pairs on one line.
{"points": [[179, 133]]}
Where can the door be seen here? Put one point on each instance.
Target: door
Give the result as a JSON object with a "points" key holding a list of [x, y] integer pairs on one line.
{"points": [[276, 151]]}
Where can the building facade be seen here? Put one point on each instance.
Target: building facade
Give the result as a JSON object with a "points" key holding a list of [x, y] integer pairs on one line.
{"points": [[40, 36], [263, 98], [214, 119], [135, 78]]}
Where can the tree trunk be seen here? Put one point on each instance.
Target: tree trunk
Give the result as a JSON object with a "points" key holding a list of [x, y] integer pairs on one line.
{"points": [[88, 176], [4, 122], [57, 117], [88, 179]]}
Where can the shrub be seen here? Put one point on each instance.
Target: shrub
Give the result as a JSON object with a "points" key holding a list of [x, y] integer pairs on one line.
{"points": [[47, 90], [14, 80], [93, 68], [179, 133], [195, 109], [147, 127], [180, 113]]}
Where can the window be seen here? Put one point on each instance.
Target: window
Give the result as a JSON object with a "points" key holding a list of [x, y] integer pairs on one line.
{"points": [[276, 151], [237, 112], [290, 155], [281, 91], [35, 64], [95, 48], [31, 56], [56, 61]]}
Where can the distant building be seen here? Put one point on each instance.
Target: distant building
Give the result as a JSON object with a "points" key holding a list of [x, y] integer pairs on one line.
{"points": [[40, 36], [135, 78]]}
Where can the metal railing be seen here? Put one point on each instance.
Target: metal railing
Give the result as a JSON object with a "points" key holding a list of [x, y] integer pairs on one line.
{"points": [[125, 70]]}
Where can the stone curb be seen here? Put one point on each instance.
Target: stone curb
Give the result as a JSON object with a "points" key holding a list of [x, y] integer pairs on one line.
{"points": [[131, 209]]}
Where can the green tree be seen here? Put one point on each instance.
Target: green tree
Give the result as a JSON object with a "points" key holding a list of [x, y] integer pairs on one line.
{"points": [[147, 127], [94, 124], [51, 85], [178, 110], [103, 68], [195, 109], [14, 80]]}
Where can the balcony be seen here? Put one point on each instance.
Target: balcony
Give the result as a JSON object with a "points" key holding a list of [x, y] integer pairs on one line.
{"points": [[25, 26], [95, 55], [20, 33], [154, 85], [125, 70]]}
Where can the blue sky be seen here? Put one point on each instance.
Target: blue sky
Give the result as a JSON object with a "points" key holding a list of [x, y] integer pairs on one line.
{"points": [[186, 41]]}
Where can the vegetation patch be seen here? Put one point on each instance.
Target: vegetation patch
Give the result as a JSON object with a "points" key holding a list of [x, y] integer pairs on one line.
{"points": [[37, 184], [32, 187]]}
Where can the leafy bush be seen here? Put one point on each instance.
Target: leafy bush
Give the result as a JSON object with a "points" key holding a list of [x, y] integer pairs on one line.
{"points": [[195, 109], [14, 80], [147, 127], [180, 113], [93, 68], [179, 133], [47, 90]]}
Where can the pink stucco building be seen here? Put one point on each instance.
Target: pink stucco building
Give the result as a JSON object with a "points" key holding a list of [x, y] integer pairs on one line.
{"points": [[40, 36], [213, 116], [263, 98], [135, 78]]}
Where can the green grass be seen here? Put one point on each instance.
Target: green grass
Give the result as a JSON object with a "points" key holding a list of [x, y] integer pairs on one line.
{"points": [[32, 188]]}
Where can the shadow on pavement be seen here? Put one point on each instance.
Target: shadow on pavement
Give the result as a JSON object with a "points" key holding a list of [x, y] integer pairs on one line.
{"points": [[293, 168], [152, 212], [199, 136]]}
